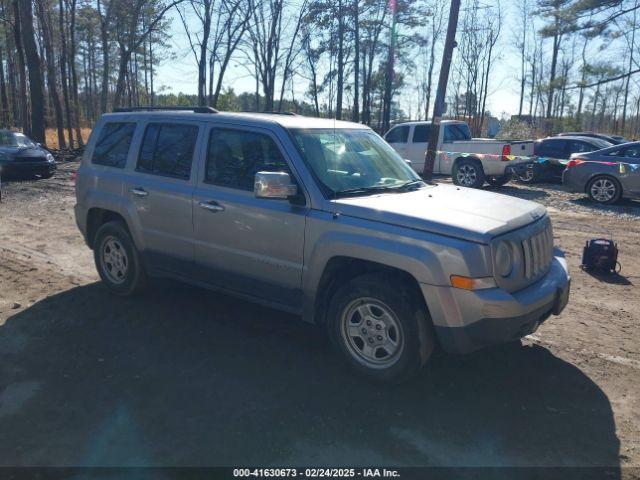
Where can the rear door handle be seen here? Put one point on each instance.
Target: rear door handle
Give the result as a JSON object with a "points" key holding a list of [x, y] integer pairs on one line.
{"points": [[211, 205], [139, 192]]}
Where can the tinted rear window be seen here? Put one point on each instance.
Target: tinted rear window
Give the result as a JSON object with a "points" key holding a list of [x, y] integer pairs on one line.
{"points": [[113, 145], [421, 133], [551, 148], [397, 135], [167, 149], [456, 132]]}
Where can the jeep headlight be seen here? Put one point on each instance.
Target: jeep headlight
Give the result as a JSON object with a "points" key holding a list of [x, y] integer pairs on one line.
{"points": [[504, 259], [49, 158]]}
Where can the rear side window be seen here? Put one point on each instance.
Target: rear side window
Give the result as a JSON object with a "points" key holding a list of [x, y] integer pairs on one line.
{"points": [[632, 152], [456, 132], [398, 135], [167, 149], [551, 148], [576, 146], [113, 144], [235, 156], [421, 133]]}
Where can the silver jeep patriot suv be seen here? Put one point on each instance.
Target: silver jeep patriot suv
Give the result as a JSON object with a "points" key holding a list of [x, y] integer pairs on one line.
{"points": [[321, 218]]}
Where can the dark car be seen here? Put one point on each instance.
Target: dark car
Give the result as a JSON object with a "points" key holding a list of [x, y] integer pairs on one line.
{"points": [[552, 155], [19, 155], [606, 175], [612, 139]]}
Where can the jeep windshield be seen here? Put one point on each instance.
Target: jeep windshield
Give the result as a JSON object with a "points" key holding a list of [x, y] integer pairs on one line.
{"points": [[354, 162]]}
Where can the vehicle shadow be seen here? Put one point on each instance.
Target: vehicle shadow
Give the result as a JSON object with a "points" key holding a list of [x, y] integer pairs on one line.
{"points": [[624, 206], [611, 278], [184, 377]]}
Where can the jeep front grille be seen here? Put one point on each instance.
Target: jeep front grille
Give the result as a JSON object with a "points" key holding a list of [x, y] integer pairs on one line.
{"points": [[532, 247], [538, 253]]}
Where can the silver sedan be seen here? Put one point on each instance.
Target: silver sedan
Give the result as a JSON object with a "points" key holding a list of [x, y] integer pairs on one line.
{"points": [[605, 175]]}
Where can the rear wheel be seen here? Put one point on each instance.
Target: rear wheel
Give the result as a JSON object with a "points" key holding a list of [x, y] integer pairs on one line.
{"points": [[604, 189], [468, 172], [117, 260], [527, 177], [380, 328]]}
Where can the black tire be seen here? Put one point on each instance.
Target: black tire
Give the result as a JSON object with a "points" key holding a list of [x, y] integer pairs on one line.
{"points": [[47, 175], [133, 278], [500, 181], [380, 293], [468, 172], [606, 196]]}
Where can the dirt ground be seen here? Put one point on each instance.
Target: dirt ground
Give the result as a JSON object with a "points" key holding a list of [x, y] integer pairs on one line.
{"points": [[185, 377]]}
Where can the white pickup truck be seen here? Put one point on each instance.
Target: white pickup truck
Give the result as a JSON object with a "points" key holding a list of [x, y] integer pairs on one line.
{"points": [[471, 161]]}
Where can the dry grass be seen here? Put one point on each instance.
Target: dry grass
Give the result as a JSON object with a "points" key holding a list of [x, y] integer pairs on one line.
{"points": [[51, 137]]}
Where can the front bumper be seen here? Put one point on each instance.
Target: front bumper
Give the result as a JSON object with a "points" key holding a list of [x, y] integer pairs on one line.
{"points": [[469, 320], [12, 168]]}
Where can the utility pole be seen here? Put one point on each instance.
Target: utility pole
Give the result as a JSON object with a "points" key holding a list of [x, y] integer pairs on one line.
{"points": [[438, 108]]}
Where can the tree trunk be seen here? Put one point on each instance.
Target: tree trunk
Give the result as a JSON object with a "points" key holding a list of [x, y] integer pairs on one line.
{"points": [[202, 62], [63, 72], [47, 40], [24, 103], [340, 84], [35, 74], [74, 74], [4, 116], [104, 37], [552, 77], [355, 115]]}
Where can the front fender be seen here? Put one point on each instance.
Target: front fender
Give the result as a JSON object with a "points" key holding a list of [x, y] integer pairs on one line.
{"points": [[429, 258]]}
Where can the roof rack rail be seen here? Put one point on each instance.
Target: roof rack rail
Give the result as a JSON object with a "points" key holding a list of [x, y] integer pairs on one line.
{"points": [[272, 112], [154, 108]]}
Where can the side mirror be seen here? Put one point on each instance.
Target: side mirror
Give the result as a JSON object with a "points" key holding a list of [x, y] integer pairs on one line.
{"points": [[274, 185]]}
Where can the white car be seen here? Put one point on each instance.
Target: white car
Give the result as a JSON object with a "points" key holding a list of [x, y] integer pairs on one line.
{"points": [[471, 161]]}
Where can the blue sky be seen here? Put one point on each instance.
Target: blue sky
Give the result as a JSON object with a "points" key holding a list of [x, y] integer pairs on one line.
{"points": [[180, 75]]}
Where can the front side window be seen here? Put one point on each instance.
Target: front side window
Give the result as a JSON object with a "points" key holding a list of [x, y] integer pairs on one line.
{"points": [[352, 162], [398, 135], [235, 156], [421, 133], [112, 147], [167, 149]]}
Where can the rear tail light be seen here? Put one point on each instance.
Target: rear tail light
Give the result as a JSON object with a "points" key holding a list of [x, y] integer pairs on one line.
{"points": [[506, 151], [574, 163], [74, 176]]}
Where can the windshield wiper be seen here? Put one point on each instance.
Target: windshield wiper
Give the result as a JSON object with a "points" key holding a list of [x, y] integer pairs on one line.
{"points": [[410, 184], [380, 188], [359, 190]]}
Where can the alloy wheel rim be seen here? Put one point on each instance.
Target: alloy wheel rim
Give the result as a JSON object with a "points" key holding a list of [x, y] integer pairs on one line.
{"points": [[467, 175], [527, 176], [115, 262], [603, 190], [372, 333]]}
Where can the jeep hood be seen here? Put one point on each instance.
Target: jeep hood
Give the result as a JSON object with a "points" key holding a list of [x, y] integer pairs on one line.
{"points": [[459, 212]]}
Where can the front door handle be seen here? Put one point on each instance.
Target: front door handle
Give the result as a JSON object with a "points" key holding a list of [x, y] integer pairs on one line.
{"points": [[139, 192], [211, 205]]}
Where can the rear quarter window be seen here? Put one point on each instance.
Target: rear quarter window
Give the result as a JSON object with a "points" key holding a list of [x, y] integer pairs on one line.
{"points": [[112, 147]]}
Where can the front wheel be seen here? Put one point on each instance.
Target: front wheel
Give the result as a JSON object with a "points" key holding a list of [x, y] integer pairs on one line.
{"points": [[117, 260], [604, 189], [380, 328], [468, 172]]}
